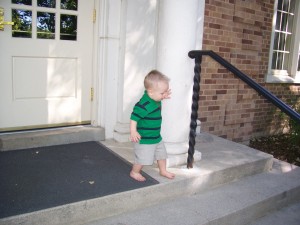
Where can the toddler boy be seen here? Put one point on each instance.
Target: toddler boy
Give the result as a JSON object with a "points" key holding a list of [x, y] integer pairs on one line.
{"points": [[145, 126]]}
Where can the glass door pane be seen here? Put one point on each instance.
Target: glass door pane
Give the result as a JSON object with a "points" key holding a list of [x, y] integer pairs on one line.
{"points": [[68, 27], [22, 2], [45, 25], [69, 4], [46, 3], [22, 23]]}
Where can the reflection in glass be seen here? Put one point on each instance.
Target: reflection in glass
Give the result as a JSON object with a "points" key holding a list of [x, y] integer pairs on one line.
{"points": [[22, 2], [282, 42], [46, 3], [274, 60], [68, 27], [45, 25], [22, 23], [69, 4], [298, 63]]}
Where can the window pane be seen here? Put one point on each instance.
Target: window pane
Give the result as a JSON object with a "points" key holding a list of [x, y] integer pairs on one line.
{"points": [[279, 7], [22, 23], [278, 21], [288, 40], [22, 2], [45, 25], [286, 57], [46, 3], [69, 4], [274, 61], [68, 27], [292, 6], [284, 22], [285, 5], [298, 62], [281, 42], [279, 61], [276, 41]]}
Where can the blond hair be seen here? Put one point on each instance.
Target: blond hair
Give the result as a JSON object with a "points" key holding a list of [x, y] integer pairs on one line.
{"points": [[153, 78]]}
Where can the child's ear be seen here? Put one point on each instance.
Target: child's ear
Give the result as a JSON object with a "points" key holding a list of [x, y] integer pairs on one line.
{"points": [[149, 91]]}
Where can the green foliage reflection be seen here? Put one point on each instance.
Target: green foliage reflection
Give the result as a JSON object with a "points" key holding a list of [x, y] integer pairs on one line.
{"points": [[45, 25], [46, 3], [69, 4], [68, 27], [22, 23], [22, 2]]}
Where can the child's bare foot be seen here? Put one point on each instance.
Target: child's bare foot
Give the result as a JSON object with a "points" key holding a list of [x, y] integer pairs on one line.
{"points": [[137, 176], [167, 174]]}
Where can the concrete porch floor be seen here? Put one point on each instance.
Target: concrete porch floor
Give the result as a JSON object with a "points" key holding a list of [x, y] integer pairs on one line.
{"points": [[223, 163]]}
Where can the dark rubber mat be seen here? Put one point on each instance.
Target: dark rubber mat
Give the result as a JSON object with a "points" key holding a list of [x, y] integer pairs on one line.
{"points": [[40, 178]]}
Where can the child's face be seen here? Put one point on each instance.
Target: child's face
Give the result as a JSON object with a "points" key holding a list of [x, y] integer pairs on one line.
{"points": [[159, 92]]}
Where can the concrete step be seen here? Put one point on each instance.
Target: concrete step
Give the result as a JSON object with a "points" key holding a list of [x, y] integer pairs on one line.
{"points": [[48, 137], [288, 215], [236, 203], [222, 162]]}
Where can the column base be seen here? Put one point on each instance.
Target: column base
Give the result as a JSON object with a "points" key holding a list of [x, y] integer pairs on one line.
{"points": [[121, 132], [181, 159]]}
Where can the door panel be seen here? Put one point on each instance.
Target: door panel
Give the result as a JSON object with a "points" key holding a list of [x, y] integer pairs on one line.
{"points": [[46, 63]]}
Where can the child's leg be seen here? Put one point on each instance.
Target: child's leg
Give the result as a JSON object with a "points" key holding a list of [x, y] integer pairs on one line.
{"points": [[163, 169], [135, 172]]}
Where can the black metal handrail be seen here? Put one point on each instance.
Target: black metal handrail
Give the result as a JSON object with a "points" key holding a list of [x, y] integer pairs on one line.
{"points": [[197, 55]]}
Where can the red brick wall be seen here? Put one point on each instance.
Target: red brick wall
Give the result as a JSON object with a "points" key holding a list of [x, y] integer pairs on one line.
{"points": [[239, 31]]}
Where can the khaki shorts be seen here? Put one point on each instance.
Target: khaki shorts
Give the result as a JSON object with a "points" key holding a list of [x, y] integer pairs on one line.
{"points": [[145, 154]]}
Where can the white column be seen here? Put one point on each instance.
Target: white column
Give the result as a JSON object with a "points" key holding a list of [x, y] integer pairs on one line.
{"points": [[107, 62], [178, 23]]}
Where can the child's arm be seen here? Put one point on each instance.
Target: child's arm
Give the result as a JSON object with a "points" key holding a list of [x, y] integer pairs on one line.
{"points": [[134, 135]]}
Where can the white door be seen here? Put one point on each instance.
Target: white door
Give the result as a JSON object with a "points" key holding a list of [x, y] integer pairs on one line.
{"points": [[46, 63]]}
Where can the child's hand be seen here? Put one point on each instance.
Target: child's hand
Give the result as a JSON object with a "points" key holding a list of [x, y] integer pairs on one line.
{"points": [[167, 94], [135, 136]]}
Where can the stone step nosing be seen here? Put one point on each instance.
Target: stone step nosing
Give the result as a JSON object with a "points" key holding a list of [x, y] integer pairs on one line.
{"points": [[236, 203]]}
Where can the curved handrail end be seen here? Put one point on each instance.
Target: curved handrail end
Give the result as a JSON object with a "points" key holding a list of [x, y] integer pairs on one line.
{"points": [[198, 53]]}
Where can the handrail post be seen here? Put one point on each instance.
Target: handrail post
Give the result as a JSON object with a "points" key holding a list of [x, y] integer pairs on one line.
{"points": [[194, 114]]}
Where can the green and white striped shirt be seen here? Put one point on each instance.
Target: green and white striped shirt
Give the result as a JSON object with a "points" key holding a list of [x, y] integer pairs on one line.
{"points": [[147, 114]]}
